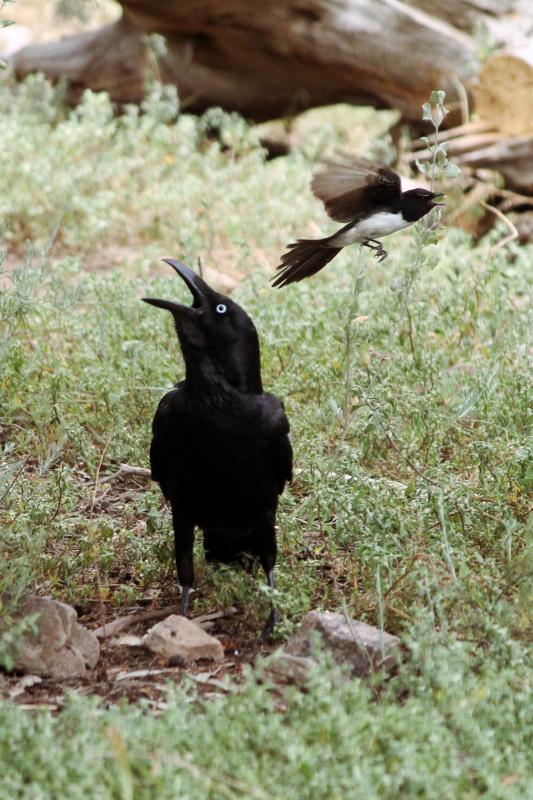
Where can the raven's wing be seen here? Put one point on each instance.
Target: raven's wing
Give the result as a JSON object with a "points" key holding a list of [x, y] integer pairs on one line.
{"points": [[280, 447], [348, 189], [165, 426]]}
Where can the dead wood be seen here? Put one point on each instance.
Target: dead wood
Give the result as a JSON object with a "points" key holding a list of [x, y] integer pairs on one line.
{"points": [[504, 91], [122, 623], [512, 157], [269, 61]]}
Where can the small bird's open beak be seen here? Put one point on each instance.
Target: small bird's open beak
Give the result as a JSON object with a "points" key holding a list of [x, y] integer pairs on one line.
{"points": [[198, 288], [439, 194]]}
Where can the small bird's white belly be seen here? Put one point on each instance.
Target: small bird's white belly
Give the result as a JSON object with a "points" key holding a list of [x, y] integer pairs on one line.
{"points": [[380, 224]]}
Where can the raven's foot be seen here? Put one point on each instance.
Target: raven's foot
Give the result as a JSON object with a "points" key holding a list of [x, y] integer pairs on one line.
{"points": [[184, 603], [268, 630]]}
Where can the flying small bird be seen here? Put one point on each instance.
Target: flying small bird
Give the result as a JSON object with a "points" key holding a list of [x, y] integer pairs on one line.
{"points": [[220, 448], [369, 199]]}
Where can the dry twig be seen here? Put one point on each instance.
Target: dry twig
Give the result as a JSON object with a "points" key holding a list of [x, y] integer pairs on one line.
{"points": [[501, 216], [121, 623], [126, 469]]}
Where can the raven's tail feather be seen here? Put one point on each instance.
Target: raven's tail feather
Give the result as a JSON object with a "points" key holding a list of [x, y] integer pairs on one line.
{"points": [[219, 546], [304, 258]]}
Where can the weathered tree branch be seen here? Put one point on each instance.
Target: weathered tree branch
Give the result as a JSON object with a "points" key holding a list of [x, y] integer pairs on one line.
{"points": [[271, 60]]}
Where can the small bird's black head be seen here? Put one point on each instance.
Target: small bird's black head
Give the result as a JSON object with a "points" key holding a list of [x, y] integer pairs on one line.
{"points": [[218, 339], [416, 203]]}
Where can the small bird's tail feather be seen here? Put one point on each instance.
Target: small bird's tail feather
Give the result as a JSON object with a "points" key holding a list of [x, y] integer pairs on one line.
{"points": [[304, 258]]}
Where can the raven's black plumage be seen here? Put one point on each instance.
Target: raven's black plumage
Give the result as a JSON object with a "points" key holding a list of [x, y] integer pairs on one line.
{"points": [[220, 449]]}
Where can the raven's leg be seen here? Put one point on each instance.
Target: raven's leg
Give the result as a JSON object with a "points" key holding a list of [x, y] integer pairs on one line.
{"points": [[373, 244], [268, 560], [268, 630], [183, 544]]}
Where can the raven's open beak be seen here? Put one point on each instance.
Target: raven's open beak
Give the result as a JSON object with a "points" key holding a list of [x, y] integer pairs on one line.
{"points": [[198, 288], [438, 194]]}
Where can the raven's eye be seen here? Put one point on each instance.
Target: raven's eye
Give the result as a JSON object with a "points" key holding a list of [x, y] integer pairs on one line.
{"points": [[221, 308]]}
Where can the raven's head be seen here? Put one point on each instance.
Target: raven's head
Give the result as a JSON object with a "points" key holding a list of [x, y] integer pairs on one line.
{"points": [[217, 337]]}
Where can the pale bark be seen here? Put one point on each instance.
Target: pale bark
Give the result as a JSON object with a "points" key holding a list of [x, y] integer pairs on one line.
{"points": [[504, 92], [270, 59]]}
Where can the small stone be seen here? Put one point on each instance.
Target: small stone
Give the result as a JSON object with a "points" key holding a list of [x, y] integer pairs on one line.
{"points": [[67, 662], [126, 640], [60, 646], [180, 639], [363, 647], [86, 643], [287, 668]]}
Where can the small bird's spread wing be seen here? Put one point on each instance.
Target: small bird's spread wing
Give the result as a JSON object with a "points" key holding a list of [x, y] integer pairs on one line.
{"points": [[348, 189]]}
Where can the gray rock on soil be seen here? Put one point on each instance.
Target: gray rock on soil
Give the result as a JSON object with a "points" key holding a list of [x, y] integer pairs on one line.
{"points": [[60, 647], [362, 647], [284, 668], [178, 638]]}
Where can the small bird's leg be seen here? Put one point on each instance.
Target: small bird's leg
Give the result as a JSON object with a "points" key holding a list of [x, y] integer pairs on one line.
{"points": [[183, 543], [373, 244], [381, 253]]}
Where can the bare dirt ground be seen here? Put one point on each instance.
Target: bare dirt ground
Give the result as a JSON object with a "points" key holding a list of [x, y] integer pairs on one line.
{"points": [[128, 671], [131, 673]]}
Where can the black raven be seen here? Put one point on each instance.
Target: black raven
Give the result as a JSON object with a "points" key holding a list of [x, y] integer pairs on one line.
{"points": [[220, 449], [366, 196]]}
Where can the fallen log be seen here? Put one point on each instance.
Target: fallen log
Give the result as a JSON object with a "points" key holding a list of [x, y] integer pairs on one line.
{"points": [[269, 62], [112, 59], [512, 157], [503, 95]]}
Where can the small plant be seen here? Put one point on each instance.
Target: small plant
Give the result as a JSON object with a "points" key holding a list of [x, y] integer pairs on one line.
{"points": [[5, 23], [81, 10], [426, 232], [438, 166]]}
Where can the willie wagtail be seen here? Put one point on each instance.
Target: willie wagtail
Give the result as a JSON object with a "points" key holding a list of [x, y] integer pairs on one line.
{"points": [[366, 196]]}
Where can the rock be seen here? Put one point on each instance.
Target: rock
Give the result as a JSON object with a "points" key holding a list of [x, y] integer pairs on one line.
{"points": [[362, 647], [60, 646], [86, 643], [287, 668], [126, 640], [183, 641]]}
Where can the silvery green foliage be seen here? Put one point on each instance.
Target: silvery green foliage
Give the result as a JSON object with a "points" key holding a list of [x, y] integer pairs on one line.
{"points": [[430, 480], [427, 233], [5, 23], [438, 166], [76, 9]]}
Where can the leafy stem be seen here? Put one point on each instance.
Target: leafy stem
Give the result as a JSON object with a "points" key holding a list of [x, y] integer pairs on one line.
{"points": [[436, 167]]}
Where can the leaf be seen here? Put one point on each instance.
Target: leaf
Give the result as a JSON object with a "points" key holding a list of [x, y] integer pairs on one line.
{"points": [[437, 97], [423, 166], [432, 254], [451, 170], [528, 478], [426, 112], [5, 23], [437, 116], [410, 489]]}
